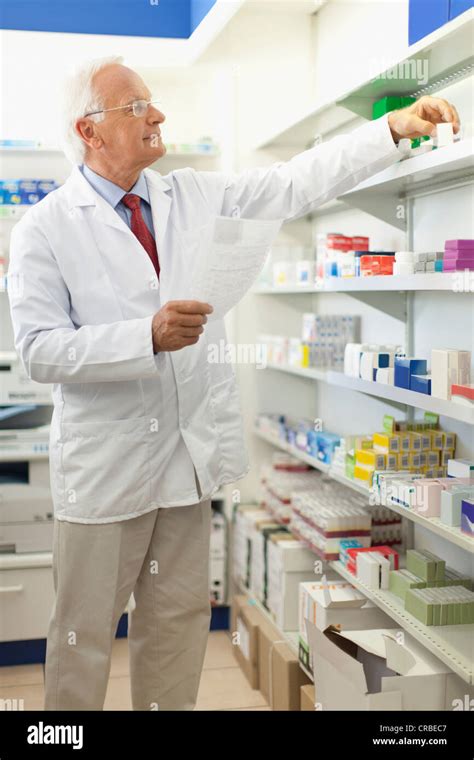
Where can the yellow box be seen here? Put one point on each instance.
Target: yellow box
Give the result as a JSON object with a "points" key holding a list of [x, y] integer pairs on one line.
{"points": [[423, 459], [405, 441], [365, 474], [446, 454], [449, 440], [414, 460], [425, 440], [404, 460], [416, 442], [437, 439], [432, 458], [370, 458], [392, 461], [386, 443]]}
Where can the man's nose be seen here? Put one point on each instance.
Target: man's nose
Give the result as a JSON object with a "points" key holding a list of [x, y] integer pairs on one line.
{"points": [[155, 116]]}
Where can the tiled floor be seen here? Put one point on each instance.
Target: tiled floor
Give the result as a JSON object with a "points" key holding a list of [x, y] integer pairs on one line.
{"points": [[223, 685]]}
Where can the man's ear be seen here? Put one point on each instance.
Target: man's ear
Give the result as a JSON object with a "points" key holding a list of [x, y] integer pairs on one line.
{"points": [[86, 130]]}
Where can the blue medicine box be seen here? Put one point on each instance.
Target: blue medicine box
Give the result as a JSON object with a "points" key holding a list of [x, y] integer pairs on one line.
{"points": [[405, 368], [28, 189], [421, 384], [456, 7], [322, 445], [467, 517], [424, 16]]}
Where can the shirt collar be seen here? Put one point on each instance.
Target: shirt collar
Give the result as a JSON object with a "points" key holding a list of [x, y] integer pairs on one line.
{"points": [[111, 192]]}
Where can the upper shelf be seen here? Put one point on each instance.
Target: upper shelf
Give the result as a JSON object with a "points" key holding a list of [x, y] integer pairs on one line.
{"points": [[377, 195], [442, 54], [391, 393]]}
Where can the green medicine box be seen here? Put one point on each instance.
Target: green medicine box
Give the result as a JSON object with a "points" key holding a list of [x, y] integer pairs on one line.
{"points": [[425, 565], [390, 103], [400, 581], [419, 607]]}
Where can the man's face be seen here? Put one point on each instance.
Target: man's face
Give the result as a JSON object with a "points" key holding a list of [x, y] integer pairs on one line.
{"points": [[128, 142]]}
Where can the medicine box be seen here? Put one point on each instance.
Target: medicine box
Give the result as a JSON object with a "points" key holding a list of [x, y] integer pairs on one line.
{"points": [[405, 368], [467, 517], [449, 367], [425, 565], [421, 384], [400, 581], [460, 468]]}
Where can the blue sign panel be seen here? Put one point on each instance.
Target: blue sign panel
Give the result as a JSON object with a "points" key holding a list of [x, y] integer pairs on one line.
{"points": [[134, 18]]}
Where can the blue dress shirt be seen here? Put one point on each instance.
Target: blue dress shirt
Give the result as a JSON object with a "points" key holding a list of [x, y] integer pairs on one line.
{"points": [[113, 194]]}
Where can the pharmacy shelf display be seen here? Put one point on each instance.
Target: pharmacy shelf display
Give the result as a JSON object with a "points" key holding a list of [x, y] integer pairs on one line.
{"points": [[453, 644], [387, 392], [444, 55], [434, 524]]}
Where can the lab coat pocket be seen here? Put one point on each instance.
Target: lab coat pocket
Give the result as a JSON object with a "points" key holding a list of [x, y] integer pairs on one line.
{"points": [[106, 468]]}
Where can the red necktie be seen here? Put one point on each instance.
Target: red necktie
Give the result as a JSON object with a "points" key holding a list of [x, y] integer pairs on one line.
{"points": [[140, 230]]}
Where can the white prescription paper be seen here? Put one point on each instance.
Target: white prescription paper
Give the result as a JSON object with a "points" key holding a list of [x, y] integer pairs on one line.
{"points": [[231, 255]]}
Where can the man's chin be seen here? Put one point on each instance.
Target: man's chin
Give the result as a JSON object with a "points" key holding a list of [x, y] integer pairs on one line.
{"points": [[157, 148]]}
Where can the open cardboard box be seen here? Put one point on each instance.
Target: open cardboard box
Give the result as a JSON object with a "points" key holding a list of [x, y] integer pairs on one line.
{"points": [[335, 603], [379, 669]]}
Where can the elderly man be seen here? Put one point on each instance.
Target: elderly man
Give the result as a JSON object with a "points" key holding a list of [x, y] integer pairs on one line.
{"points": [[144, 428]]}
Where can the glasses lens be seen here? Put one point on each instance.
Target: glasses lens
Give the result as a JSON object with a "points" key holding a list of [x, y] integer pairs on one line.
{"points": [[140, 107]]}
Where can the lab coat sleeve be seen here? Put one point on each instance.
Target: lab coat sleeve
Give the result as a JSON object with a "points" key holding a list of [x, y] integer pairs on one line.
{"points": [[51, 347], [286, 190]]}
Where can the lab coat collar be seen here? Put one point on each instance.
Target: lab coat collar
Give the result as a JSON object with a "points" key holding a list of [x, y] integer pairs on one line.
{"points": [[80, 192]]}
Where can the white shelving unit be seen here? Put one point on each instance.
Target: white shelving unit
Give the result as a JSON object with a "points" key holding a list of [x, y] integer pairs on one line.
{"points": [[448, 52]]}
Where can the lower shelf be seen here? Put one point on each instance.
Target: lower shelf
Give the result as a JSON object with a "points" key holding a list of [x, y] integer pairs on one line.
{"points": [[452, 644]]}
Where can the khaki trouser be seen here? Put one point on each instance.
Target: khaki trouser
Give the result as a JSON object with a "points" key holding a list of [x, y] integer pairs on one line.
{"points": [[163, 558]]}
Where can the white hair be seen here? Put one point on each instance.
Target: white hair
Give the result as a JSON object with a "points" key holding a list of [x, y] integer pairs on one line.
{"points": [[80, 98]]}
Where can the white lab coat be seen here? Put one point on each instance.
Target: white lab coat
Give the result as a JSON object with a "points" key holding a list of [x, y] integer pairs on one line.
{"points": [[83, 293]]}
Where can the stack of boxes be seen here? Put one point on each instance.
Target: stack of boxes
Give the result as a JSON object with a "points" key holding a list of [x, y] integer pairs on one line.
{"points": [[371, 565], [24, 192], [450, 370], [322, 520], [318, 444], [449, 367], [458, 255], [335, 254], [411, 262], [289, 564], [432, 593], [371, 362], [279, 481], [321, 345], [399, 450]]}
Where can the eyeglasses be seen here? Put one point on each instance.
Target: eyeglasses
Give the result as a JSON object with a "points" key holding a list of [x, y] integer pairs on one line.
{"points": [[139, 107]]}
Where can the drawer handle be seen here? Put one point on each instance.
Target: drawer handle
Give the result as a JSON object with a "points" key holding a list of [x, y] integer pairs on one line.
{"points": [[10, 589]]}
